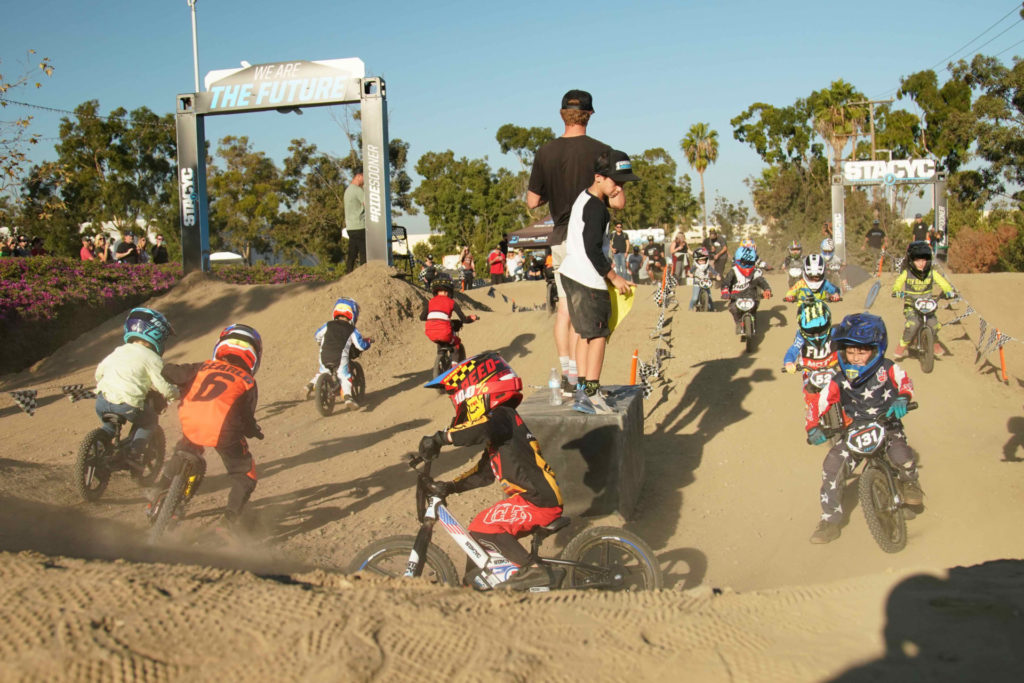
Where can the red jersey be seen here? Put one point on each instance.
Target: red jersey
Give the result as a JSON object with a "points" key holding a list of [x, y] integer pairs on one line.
{"points": [[218, 408], [439, 318]]}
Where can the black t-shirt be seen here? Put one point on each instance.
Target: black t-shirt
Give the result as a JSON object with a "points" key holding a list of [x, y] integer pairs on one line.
{"points": [[127, 253], [561, 170], [654, 254], [619, 242], [920, 232], [875, 236], [714, 245]]}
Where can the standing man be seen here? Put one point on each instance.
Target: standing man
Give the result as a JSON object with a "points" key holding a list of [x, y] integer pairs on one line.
{"points": [[159, 251], [85, 253], [920, 229], [620, 247], [496, 265], [875, 240], [126, 252], [561, 170], [355, 220], [717, 247]]}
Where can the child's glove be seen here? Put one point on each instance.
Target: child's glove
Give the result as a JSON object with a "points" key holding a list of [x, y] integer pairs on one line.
{"points": [[897, 295], [898, 409], [835, 297], [789, 299], [766, 294], [816, 436], [950, 294], [725, 294], [790, 368], [430, 446]]}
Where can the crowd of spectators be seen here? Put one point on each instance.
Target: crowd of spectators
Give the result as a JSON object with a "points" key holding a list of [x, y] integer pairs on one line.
{"points": [[94, 248]]}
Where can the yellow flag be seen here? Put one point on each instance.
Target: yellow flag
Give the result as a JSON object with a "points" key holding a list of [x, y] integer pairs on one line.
{"points": [[621, 303]]}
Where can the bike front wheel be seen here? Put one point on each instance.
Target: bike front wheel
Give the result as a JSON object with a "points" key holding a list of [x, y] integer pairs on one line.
{"points": [[390, 556], [152, 458], [168, 505], [358, 379], [748, 330], [325, 394], [887, 522], [926, 339], [92, 469], [617, 553]]}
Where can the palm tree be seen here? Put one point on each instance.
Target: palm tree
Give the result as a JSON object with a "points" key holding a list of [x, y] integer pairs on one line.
{"points": [[839, 114], [701, 148]]}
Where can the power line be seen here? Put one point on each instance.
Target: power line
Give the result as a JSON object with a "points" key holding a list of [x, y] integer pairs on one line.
{"points": [[1009, 48], [84, 116]]}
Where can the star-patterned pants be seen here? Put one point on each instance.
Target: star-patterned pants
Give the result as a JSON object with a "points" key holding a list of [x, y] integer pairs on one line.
{"points": [[840, 462]]}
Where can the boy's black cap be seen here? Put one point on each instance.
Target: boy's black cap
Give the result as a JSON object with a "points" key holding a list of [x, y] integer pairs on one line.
{"points": [[617, 166], [578, 99]]}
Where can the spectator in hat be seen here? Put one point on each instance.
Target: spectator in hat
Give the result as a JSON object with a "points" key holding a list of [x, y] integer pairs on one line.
{"points": [[21, 247], [355, 220], [159, 251], [562, 168], [126, 251], [85, 253]]}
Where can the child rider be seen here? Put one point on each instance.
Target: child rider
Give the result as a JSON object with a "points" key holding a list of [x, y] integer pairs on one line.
{"points": [[869, 387], [218, 410], [485, 392], [744, 278], [337, 337], [813, 348], [813, 284], [438, 315], [703, 269], [126, 376], [916, 281]]}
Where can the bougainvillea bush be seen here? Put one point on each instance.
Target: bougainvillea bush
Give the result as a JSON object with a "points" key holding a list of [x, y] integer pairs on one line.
{"points": [[36, 291]]}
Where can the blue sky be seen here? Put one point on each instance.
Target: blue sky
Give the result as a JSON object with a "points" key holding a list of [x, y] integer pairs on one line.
{"points": [[456, 71]]}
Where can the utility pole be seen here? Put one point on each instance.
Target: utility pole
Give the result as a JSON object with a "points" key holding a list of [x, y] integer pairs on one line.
{"points": [[871, 113]]}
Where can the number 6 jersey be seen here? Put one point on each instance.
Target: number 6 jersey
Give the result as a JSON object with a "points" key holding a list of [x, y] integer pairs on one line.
{"points": [[218, 407]]}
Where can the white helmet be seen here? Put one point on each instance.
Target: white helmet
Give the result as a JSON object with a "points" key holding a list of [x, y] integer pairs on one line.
{"points": [[814, 271], [827, 245]]}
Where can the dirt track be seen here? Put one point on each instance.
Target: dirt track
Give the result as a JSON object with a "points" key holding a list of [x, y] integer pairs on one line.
{"points": [[730, 501]]}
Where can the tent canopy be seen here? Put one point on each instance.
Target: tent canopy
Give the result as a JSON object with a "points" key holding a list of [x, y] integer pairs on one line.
{"points": [[532, 236]]}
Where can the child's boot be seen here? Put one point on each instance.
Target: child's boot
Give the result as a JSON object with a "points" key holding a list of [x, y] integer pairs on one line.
{"points": [[939, 351], [826, 532], [900, 352]]}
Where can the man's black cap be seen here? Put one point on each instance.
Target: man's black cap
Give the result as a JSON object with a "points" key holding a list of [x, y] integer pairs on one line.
{"points": [[578, 99]]}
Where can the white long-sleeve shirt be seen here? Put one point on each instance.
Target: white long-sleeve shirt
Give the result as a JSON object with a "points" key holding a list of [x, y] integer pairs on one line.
{"points": [[128, 374]]}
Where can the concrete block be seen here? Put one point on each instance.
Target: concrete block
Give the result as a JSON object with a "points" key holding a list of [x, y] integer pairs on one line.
{"points": [[598, 459]]}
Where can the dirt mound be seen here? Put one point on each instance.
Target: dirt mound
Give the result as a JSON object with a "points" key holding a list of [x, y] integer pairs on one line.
{"points": [[730, 499]]}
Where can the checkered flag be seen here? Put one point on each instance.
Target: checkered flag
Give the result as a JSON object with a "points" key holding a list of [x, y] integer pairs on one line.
{"points": [[1002, 339], [513, 306], [77, 392], [26, 400], [970, 311], [988, 345], [504, 298], [490, 292], [671, 282], [983, 325]]}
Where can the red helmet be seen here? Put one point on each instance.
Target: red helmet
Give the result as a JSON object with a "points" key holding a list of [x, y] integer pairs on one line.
{"points": [[241, 342], [480, 384]]}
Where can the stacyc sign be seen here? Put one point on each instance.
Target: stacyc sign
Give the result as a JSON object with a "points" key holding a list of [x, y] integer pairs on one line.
{"points": [[888, 172]]}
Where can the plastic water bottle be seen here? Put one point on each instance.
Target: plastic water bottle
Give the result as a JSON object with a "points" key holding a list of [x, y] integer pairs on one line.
{"points": [[555, 387]]}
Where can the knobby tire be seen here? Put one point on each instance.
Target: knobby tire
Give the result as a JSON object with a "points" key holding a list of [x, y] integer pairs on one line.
{"points": [[389, 557], [889, 528], [927, 337], [92, 473], [358, 379], [325, 395], [172, 500], [748, 329], [152, 457], [613, 549]]}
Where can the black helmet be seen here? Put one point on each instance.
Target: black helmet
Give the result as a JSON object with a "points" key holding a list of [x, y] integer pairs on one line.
{"points": [[442, 281], [919, 250]]}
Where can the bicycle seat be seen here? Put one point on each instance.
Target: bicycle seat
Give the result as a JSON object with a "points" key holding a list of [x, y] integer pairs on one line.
{"points": [[554, 527], [114, 418]]}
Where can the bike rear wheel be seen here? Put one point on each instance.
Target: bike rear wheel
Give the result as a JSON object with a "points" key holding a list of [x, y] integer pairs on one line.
{"points": [[443, 362], [92, 473], [389, 557], [926, 338], [152, 458], [325, 394], [887, 523], [616, 551]]}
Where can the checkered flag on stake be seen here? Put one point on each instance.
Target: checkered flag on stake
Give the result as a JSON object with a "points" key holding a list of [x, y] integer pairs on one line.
{"points": [[77, 392], [26, 400]]}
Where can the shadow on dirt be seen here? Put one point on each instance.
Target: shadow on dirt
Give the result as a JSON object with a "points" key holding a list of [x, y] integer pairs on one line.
{"points": [[949, 629]]}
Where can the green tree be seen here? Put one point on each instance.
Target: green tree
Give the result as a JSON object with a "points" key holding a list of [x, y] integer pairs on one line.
{"points": [[659, 198], [467, 203], [245, 197], [839, 115], [701, 148], [523, 142], [313, 188], [779, 135], [947, 130], [15, 137]]}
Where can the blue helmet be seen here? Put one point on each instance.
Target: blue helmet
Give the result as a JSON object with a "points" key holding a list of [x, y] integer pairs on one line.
{"points": [[815, 321], [149, 326], [746, 256], [860, 329]]}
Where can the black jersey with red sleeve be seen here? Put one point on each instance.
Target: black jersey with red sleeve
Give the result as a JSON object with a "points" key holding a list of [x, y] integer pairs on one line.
{"points": [[512, 456]]}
